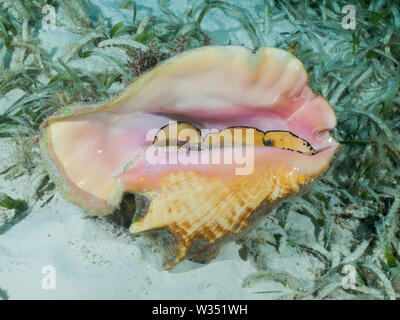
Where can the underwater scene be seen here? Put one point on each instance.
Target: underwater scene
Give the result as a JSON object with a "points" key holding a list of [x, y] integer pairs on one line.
{"points": [[199, 150]]}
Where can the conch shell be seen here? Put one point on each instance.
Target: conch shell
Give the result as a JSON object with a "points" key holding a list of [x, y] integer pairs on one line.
{"points": [[270, 136]]}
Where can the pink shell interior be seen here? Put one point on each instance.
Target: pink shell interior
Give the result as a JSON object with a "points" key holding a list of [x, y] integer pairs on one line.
{"points": [[100, 154]]}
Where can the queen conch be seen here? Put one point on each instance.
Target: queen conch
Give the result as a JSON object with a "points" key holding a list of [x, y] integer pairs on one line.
{"points": [[213, 138]]}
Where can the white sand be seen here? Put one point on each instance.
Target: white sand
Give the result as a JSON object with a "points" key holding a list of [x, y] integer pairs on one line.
{"points": [[91, 262]]}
